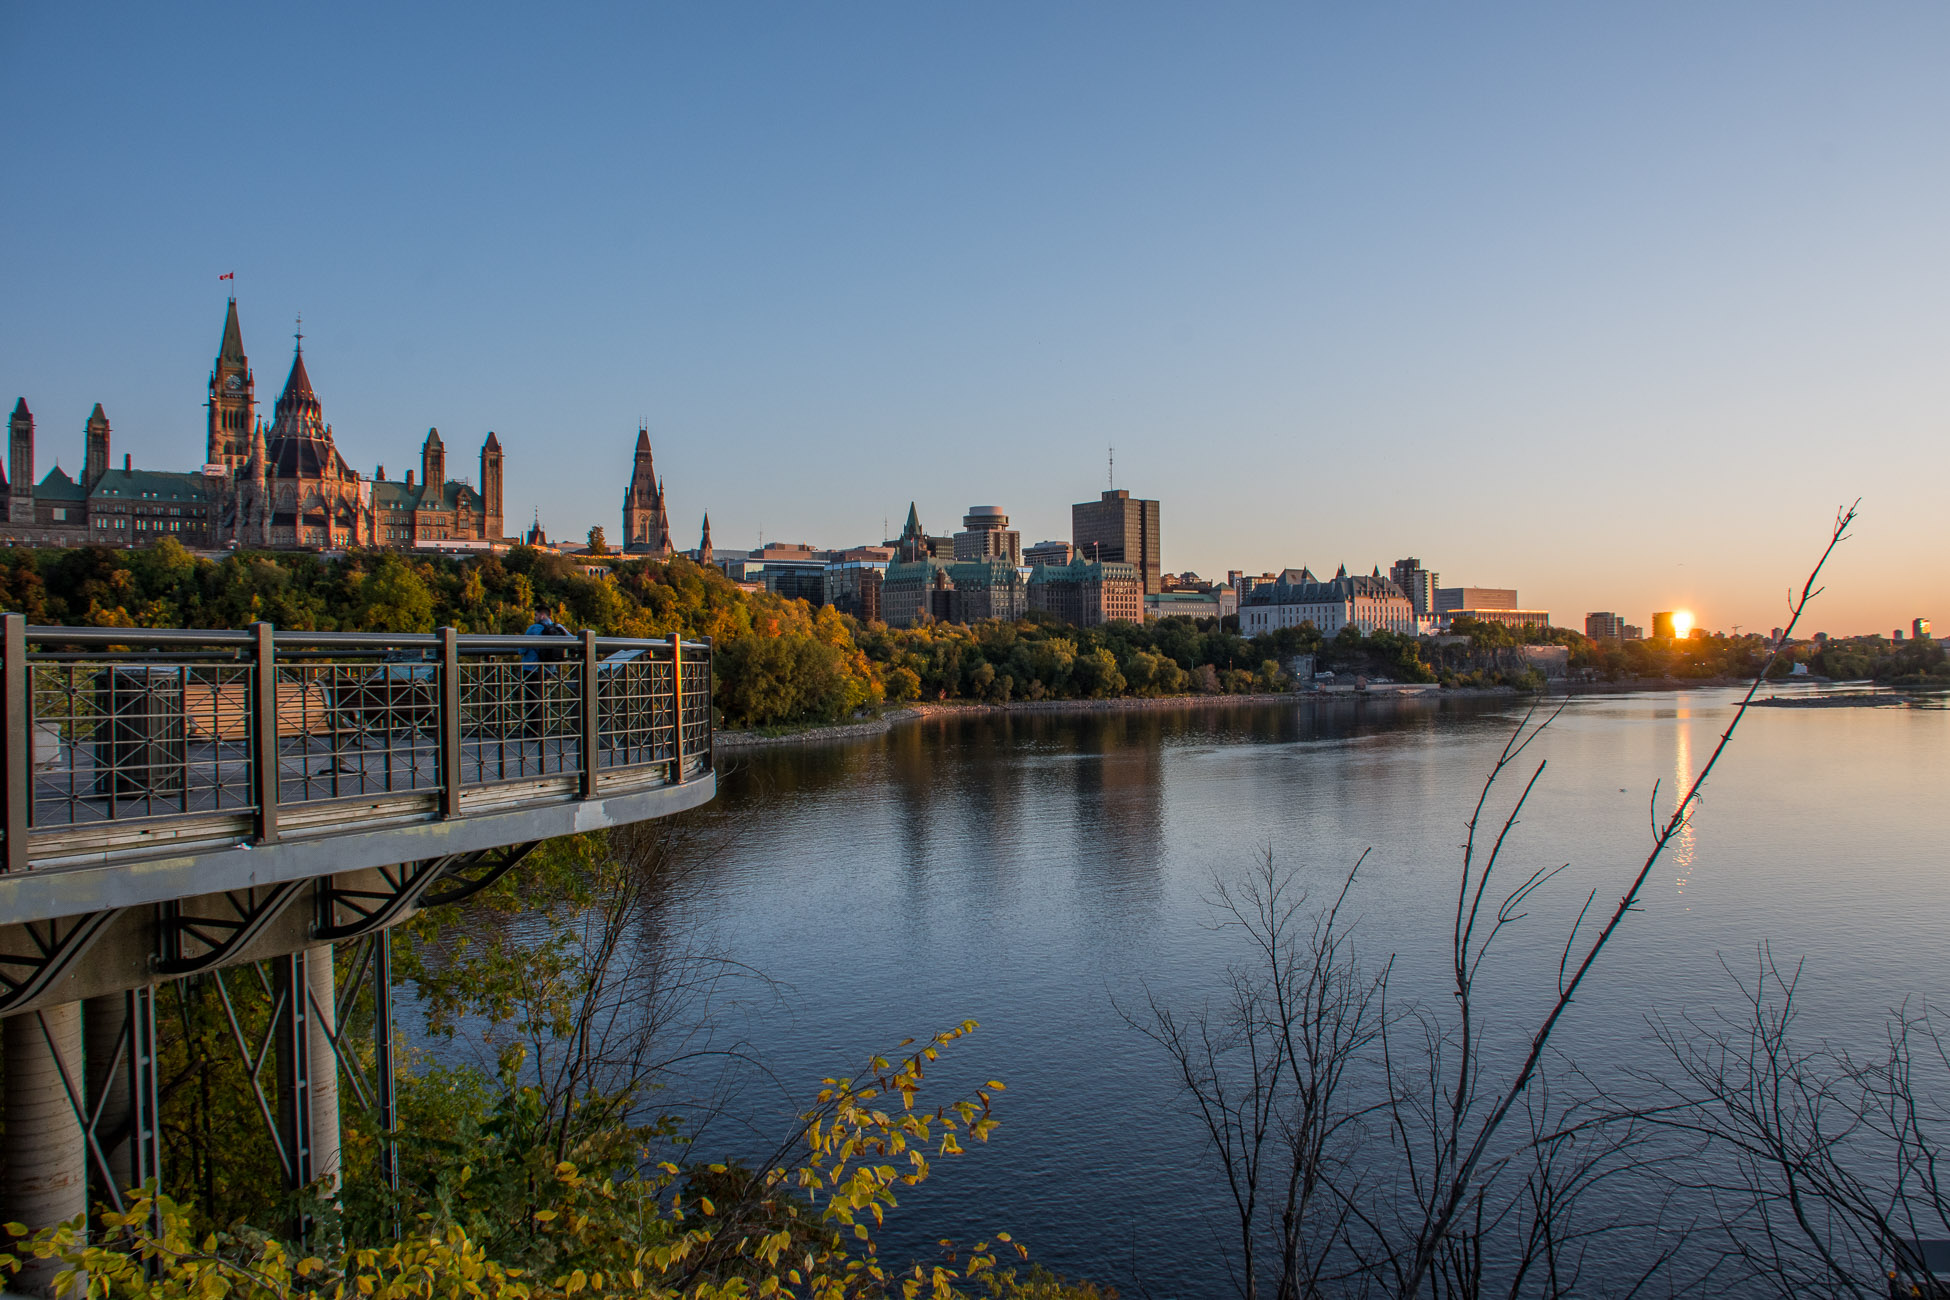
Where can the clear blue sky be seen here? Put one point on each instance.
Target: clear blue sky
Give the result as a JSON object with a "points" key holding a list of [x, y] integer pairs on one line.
{"points": [[1610, 303]]}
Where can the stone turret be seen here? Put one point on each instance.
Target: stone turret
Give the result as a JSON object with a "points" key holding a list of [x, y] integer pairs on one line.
{"points": [[95, 463], [433, 465], [491, 487], [20, 465]]}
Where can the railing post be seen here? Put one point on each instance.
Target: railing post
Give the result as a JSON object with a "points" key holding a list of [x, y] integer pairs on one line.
{"points": [[676, 707], [591, 723], [449, 722], [16, 700], [264, 732]]}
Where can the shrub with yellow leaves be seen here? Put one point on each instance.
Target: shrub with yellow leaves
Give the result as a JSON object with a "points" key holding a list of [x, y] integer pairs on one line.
{"points": [[800, 1227]]}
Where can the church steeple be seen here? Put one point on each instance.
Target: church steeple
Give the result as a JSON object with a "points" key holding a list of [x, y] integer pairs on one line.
{"points": [[704, 543], [645, 525]]}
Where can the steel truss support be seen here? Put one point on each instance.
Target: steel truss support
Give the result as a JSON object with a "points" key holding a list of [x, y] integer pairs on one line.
{"points": [[305, 1052], [121, 1122], [199, 940], [58, 944], [348, 912]]}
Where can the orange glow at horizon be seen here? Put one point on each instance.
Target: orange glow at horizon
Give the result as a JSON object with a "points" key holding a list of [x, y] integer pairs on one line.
{"points": [[1682, 623]]}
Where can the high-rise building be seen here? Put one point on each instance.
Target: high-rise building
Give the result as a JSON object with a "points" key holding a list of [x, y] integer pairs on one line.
{"points": [[1920, 629], [1417, 583], [1663, 627], [986, 535], [1117, 528], [1604, 627]]}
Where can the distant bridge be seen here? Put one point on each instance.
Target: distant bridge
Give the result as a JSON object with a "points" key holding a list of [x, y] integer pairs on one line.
{"points": [[181, 802]]}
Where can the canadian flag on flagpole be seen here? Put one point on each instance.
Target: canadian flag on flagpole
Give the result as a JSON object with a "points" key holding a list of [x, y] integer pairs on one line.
{"points": [[228, 275]]}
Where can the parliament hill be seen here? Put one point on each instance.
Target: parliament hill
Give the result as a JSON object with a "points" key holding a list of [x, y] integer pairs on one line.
{"points": [[281, 485]]}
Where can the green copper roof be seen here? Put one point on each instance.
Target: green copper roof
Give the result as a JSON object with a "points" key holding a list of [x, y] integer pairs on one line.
{"points": [[151, 485], [57, 486]]}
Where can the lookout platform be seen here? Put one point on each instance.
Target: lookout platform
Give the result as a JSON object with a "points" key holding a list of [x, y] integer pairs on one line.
{"points": [[179, 803]]}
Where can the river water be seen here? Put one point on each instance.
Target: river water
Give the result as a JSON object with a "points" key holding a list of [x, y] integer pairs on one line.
{"points": [[1036, 872]]}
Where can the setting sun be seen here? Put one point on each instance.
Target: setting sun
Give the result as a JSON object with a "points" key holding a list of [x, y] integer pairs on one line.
{"points": [[1682, 623]]}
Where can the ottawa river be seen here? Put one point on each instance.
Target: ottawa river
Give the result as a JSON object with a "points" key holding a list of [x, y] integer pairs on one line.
{"points": [[1037, 871]]}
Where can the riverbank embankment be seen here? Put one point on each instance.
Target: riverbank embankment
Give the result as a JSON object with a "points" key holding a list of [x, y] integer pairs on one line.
{"points": [[889, 719]]}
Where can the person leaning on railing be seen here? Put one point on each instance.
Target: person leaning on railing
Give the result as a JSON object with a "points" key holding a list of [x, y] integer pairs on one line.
{"points": [[537, 666]]}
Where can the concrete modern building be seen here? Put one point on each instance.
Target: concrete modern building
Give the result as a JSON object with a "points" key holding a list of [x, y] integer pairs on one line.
{"points": [[853, 587], [1118, 528], [1450, 599], [1919, 629], [986, 535], [1087, 593], [1663, 627], [1506, 617], [1604, 627], [1212, 602], [1371, 604], [1417, 583], [793, 570], [1055, 554]]}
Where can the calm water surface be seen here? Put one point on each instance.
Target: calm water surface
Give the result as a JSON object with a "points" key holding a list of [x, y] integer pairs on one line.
{"points": [[1036, 872]]}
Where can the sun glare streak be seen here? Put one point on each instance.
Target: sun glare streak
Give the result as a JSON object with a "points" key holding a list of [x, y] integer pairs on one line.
{"points": [[1682, 623]]}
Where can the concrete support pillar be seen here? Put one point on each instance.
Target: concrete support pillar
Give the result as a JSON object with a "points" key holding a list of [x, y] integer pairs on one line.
{"points": [[104, 1027], [324, 1064], [46, 1179]]}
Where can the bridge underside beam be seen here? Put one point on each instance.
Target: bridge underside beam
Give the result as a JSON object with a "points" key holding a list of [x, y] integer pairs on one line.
{"points": [[84, 887]]}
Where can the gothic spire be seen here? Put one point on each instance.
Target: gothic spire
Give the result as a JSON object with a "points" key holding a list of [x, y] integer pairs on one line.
{"points": [[233, 338]]}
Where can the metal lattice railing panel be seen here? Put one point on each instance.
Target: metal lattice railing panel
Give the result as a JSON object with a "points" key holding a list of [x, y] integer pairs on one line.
{"points": [[114, 740], [350, 727], [116, 726], [519, 721]]}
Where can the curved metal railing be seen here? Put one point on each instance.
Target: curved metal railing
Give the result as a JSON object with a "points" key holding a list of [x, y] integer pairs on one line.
{"points": [[113, 733]]}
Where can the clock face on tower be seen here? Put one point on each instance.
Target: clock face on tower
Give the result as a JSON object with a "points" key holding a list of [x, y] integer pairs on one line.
{"points": [[233, 382]]}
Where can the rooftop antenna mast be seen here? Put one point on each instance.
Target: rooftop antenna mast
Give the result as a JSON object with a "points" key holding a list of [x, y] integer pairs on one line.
{"points": [[1113, 469], [299, 333]]}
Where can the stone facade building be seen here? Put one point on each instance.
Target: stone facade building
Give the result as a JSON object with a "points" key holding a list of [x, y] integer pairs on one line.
{"points": [[105, 507], [284, 485], [920, 588], [1088, 594], [1370, 604]]}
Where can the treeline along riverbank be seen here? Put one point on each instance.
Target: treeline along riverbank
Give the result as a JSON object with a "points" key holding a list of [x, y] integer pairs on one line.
{"points": [[783, 662]]}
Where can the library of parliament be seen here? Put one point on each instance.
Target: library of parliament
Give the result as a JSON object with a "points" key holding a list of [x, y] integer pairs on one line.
{"points": [[279, 486]]}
